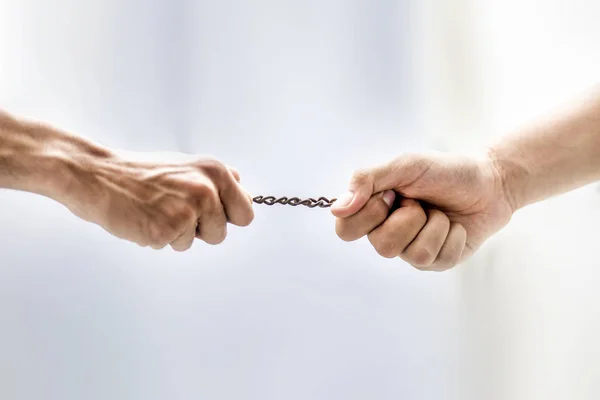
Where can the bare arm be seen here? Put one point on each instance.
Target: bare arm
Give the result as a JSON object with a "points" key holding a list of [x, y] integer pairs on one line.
{"points": [[558, 154], [155, 203], [43, 160]]}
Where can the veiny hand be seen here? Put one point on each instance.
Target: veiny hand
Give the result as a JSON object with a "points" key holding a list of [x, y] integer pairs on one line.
{"points": [[445, 208], [159, 203]]}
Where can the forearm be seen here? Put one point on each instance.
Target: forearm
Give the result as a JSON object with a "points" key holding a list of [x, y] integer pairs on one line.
{"points": [[40, 159], [552, 156]]}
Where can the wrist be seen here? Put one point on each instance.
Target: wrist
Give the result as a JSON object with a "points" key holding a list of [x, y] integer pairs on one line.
{"points": [[511, 173]]}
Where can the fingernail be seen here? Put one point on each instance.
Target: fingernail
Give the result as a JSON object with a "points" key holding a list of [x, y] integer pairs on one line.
{"points": [[344, 200], [388, 197]]}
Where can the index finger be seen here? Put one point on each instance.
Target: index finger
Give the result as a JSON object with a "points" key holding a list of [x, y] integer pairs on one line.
{"points": [[236, 201]]}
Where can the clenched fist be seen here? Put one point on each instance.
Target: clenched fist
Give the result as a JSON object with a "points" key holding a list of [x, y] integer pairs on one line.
{"points": [[159, 203], [432, 210]]}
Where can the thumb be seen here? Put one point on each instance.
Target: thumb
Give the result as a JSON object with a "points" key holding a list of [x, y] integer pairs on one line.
{"points": [[397, 173], [359, 192]]}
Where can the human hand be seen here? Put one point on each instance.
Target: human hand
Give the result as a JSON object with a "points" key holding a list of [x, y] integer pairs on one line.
{"points": [[158, 203], [432, 210]]}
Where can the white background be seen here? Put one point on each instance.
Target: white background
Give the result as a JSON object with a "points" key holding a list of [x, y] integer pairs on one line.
{"points": [[295, 95]]}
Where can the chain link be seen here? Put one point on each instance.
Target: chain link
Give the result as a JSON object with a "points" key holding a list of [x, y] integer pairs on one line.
{"points": [[321, 202]]}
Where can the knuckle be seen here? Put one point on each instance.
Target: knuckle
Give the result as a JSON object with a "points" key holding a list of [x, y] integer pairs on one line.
{"points": [[407, 203], [439, 218], [411, 262], [154, 234], [421, 257], [201, 189], [159, 235], [180, 249], [436, 214], [341, 229], [184, 214], [176, 215], [461, 229], [246, 218], [208, 198], [384, 246], [216, 237], [212, 167], [221, 238], [180, 213], [235, 173], [418, 212], [449, 258], [417, 215]]}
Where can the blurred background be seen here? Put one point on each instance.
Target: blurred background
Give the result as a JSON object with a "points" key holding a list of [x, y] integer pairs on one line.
{"points": [[296, 95]]}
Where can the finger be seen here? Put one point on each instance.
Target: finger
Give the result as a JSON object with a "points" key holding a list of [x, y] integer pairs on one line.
{"points": [[185, 241], [399, 229], [399, 172], [161, 231], [452, 249], [371, 216], [238, 179], [236, 201], [424, 250], [212, 222], [358, 195], [235, 173]]}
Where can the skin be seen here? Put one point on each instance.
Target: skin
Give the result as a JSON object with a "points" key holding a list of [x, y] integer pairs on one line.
{"points": [[155, 204], [447, 206], [432, 210]]}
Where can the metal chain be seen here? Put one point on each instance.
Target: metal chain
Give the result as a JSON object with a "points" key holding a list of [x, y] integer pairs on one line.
{"points": [[321, 202]]}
